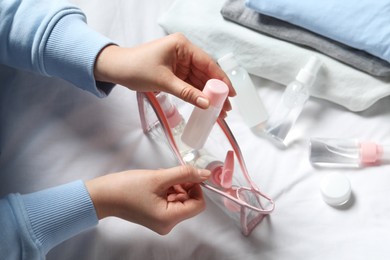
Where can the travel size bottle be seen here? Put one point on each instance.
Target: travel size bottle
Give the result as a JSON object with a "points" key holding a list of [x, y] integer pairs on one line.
{"points": [[201, 121], [175, 119], [293, 99], [222, 171], [247, 100], [347, 152]]}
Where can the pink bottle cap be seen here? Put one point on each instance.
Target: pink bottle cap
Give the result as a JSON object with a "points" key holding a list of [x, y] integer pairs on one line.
{"points": [[171, 112], [216, 171], [227, 171], [216, 91], [370, 152], [174, 118], [222, 173]]}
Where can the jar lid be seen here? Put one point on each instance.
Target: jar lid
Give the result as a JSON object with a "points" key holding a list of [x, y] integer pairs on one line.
{"points": [[336, 189]]}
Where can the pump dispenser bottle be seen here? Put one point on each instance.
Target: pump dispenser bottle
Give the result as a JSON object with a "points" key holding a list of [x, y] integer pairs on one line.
{"points": [[247, 100], [293, 99], [201, 121], [328, 152]]}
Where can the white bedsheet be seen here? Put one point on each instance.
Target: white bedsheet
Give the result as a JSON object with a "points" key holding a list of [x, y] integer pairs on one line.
{"points": [[52, 133]]}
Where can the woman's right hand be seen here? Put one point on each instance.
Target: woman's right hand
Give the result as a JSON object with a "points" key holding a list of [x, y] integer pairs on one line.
{"points": [[156, 199]]}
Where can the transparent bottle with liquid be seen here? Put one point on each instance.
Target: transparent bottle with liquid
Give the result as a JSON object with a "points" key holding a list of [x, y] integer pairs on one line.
{"points": [[283, 118], [177, 124], [248, 101], [333, 152]]}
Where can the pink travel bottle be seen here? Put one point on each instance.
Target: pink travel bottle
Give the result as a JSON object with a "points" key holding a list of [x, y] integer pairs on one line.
{"points": [[222, 171], [201, 121], [347, 152]]}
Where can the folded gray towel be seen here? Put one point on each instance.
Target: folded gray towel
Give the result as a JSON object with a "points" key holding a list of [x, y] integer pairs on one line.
{"points": [[235, 10]]}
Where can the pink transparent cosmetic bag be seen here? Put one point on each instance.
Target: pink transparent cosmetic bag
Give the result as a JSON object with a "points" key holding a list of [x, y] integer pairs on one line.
{"points": [[230, 186]]}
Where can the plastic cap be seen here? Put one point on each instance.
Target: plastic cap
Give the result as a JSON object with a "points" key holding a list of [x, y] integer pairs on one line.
{"points": [[174, 118], [216, 170], [370, 152], [216, 91], [335, 189], [308, 74], [222, 173], [228, 62], [171, 112], [227, 171]]}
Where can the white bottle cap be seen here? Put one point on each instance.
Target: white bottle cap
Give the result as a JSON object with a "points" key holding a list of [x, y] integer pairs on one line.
{"points": [[308, 73], [336, 189], [227, 62]]}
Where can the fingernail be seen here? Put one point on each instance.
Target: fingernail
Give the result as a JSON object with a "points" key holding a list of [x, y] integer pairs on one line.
{"points": [[202, 102], [204, 173]]}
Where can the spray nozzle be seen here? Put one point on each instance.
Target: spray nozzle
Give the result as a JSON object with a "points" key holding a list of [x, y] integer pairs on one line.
{"points": [[308, 73]]}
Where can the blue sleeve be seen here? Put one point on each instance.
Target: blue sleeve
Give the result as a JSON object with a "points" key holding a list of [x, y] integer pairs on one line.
{"points": [[51, 37], [34, 223]]}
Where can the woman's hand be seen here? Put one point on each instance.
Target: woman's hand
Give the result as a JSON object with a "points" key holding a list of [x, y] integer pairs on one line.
{"points": [[156, 199], [171, 64]]}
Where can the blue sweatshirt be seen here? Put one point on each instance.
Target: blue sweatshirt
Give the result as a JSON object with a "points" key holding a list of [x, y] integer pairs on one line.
{"points": [[51, 38]]}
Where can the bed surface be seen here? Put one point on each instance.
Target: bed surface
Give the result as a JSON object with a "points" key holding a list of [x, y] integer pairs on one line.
{"points": [[53, 133]]}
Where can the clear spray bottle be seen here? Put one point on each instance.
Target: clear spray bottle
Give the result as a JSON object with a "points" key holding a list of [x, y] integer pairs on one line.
{"points": [[292, 102], [247, 100], [331, 152]]}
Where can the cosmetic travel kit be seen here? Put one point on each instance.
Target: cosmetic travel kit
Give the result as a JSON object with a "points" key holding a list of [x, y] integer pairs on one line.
{"points": [[206, 141]]}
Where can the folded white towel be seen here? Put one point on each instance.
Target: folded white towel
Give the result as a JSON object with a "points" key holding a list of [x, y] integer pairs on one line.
{"points": [[271, 58]]}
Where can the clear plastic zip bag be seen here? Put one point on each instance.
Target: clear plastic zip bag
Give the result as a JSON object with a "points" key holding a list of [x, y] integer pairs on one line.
{"points": [[230, 186]]}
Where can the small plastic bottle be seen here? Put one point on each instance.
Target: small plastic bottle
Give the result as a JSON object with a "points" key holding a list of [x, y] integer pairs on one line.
{"points": [[247, 100], [201, 121], [222, 172], [293, 99], [175, 120], [347, 153]]}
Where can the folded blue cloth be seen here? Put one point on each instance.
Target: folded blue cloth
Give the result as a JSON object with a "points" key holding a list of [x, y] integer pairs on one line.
{"points": [[363, 24]]}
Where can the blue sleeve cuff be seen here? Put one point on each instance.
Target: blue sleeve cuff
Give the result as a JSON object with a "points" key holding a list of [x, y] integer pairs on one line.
{"points": [[59, 213], [71, 51], [16, 238]]}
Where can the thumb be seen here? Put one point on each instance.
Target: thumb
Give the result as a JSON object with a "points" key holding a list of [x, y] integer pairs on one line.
{"points": [[183, 174], [189, 93]]}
